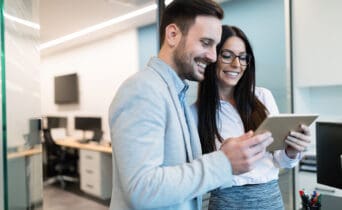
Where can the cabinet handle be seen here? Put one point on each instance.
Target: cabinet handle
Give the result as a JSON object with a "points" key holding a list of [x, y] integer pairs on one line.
{"points": [[90, 186], [325, 190], [89, 171], [89, 157]]}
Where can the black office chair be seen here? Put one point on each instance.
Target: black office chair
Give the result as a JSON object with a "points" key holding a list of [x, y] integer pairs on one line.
{"points": [[97, 136], [61, 162]]}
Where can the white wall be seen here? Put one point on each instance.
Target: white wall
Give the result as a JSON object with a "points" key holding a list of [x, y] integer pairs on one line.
{"points": [[101, 67], [317, 45], [317, 75]]}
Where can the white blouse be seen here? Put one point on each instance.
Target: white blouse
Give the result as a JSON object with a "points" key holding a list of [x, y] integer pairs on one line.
{"points": [[230, 125]]}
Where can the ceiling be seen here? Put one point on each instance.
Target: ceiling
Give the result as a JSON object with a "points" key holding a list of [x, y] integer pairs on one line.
{"points": [[62, 17]]}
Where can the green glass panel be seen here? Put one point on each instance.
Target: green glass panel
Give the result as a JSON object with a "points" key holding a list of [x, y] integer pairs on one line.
{"points": [[3, 145]]}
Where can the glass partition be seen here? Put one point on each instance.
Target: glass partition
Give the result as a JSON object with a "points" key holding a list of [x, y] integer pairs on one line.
{"points": [[21, 105], [3, 158]]}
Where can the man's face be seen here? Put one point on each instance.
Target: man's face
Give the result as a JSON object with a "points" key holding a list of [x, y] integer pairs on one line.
{"points": [[198, 48]]}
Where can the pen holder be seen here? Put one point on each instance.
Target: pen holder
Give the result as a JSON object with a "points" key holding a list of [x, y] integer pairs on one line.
{"points": [[308, 207]]}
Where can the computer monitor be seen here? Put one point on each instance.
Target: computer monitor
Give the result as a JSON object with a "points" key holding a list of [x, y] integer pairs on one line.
{"points": [[56, 122], [90, 124], [329, 153]]}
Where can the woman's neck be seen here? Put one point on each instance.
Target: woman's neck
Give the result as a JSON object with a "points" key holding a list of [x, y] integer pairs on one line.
{"points": [[227, 94]]}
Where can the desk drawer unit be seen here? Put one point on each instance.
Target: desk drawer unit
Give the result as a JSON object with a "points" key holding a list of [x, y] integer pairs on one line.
{"points": [[96, 173]]}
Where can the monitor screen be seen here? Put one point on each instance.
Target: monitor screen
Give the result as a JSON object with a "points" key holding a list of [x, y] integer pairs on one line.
{"points": [[329, 153], [88, 123], [66, 89], [56, 122]]}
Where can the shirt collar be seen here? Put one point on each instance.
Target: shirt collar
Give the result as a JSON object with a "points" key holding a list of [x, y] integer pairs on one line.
{"points": [[163, 68], [182, 93]]}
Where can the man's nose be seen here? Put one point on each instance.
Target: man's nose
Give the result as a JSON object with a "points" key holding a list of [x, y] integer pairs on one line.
{"points": [[211, 55]]}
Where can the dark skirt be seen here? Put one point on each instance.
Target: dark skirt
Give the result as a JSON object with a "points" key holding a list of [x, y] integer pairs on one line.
{"points": [[264, 196]]}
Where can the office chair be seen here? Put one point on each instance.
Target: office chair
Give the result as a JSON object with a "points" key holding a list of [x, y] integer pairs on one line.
{"points": [[98, 133], [61, 162]]}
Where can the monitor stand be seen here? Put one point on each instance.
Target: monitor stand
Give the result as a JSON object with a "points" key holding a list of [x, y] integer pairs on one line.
{"points": [[97, 135], [84, 140]]}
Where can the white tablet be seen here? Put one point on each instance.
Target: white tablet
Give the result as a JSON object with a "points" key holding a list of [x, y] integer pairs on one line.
{"points": [[281, 125]]}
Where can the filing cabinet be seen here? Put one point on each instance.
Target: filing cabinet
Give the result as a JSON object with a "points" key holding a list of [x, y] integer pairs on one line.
{"points": [[96, 173]]}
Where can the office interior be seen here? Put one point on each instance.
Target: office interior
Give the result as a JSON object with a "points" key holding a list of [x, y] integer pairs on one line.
{"points": [[297, 47]]}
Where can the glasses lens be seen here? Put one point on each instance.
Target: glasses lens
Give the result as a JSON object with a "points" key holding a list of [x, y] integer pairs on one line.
{"points": [[244, 59], [228, 57]]}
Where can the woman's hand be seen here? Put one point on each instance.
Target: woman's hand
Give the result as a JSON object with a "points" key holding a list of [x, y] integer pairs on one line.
{"points": [[297, 141]]}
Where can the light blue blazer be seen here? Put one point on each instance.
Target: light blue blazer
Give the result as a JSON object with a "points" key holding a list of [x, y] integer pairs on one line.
{"points": [[155, 165]]}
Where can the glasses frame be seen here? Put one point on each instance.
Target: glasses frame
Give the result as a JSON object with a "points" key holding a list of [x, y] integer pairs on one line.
{"points": [[248, 56]]}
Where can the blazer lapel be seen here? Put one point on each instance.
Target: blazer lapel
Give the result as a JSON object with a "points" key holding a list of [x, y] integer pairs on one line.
{"points": [[179, 109], [194, 138], [183, 123]]}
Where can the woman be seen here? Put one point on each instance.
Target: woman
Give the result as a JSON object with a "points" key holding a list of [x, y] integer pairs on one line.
{"points": [[228, 105]]}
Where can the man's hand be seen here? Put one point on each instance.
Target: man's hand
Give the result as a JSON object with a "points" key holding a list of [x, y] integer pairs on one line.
{"points": [[297, 141], [245, 150]]}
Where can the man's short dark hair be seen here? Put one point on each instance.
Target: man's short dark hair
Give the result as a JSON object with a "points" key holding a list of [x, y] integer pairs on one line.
{"points": [[184, 12]]}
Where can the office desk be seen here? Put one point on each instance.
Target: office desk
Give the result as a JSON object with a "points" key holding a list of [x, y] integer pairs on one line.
{"points": [[73, 143], [25, 152], [95, 166]]}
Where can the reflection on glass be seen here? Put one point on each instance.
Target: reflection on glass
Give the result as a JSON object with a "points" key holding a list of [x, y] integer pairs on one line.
{"points": [[24, 159]]}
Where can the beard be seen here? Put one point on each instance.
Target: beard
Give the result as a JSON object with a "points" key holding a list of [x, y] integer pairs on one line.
{"points": [[184, 64]]}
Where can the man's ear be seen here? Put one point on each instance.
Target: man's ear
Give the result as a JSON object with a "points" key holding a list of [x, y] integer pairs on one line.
{"points": [[172, 35]]}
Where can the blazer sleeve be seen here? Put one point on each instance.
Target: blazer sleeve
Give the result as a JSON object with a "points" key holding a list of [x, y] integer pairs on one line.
{"points": [[137, 123]]}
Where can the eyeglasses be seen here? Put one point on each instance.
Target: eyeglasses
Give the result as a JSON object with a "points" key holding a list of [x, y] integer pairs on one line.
{"points": [[228, 57]]}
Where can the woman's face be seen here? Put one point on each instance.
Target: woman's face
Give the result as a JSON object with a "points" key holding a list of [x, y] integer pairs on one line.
{"points": [[229, 68]]}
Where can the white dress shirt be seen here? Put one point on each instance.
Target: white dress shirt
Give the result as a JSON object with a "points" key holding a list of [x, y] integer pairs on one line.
{"points": [[230, 124]]}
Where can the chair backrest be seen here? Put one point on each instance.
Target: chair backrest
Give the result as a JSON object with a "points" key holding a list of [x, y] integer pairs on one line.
{"points": [[50, 144]]}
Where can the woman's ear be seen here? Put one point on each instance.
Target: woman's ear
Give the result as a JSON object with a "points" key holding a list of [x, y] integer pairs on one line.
{"points": [[172, 35]]}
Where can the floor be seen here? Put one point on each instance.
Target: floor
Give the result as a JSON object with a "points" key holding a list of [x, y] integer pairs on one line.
{"points": [[56, 198]]}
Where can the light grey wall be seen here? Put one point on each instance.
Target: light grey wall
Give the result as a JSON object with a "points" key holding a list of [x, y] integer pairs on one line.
{"points": [[264, 23], [147, 44]]}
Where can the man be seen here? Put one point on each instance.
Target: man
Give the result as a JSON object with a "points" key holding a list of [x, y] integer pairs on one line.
{"points": [[157, 160]]}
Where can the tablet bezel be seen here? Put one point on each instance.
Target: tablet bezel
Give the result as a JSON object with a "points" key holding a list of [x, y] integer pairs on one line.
{"points": [[281, 125]]}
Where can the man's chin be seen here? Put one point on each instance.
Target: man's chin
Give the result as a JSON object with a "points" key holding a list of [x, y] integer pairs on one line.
{"points": [[196, 78]]}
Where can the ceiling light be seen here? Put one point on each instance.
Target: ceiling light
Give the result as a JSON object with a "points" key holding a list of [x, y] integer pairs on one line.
{"points": [[97, 27], [22, 21]]}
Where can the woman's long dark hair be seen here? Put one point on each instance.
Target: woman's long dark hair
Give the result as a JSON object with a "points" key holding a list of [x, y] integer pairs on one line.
{"points": [[251, 110]]}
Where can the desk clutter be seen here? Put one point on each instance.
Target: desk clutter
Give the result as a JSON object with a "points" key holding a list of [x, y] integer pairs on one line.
{"points": [[310, 202], [308, 163]]}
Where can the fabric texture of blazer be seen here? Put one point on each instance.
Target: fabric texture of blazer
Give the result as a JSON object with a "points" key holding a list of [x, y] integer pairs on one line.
{"points": [[155, 165]]}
